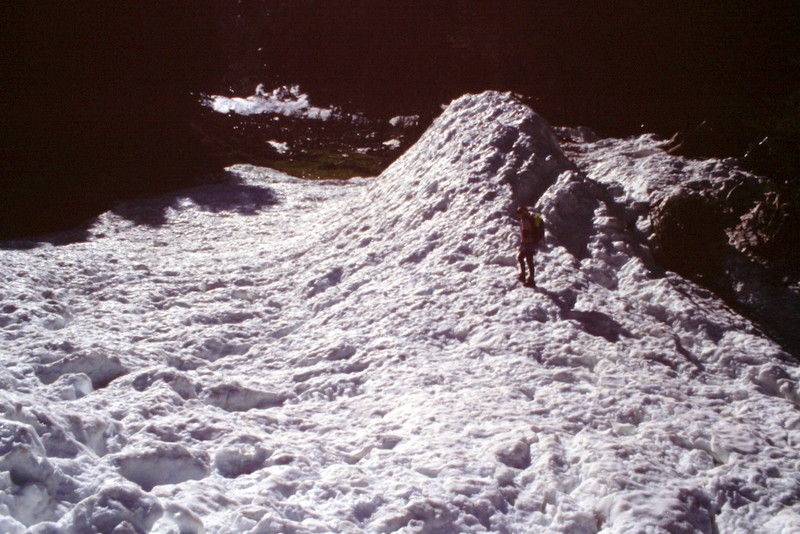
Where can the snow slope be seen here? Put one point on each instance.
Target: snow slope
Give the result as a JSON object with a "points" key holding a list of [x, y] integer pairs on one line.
{"points": [[273, 355]]}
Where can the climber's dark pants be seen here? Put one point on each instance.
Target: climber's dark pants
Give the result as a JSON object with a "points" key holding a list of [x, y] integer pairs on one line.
{"points": [[526, 251]]}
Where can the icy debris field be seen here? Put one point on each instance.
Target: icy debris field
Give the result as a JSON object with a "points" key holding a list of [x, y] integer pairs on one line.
{"points": [[279, 356]]}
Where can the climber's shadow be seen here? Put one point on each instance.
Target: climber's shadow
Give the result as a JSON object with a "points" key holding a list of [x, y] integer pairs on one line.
{"points": [[592, 322]]}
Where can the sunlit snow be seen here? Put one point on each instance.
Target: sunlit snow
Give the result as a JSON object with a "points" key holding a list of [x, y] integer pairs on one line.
{"points": [[404, 121], [285, 100], [274, 355], [281, 148], [392, 143]]}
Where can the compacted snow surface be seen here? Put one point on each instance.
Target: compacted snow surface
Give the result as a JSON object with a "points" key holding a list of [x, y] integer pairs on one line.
{"points": [[278, 356]]}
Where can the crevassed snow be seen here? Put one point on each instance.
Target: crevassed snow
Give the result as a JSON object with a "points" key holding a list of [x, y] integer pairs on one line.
{"points": [[285, 356], [289, 101]]}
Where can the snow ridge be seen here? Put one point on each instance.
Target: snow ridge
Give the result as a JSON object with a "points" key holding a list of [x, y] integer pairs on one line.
{"points": [[273, 355]]}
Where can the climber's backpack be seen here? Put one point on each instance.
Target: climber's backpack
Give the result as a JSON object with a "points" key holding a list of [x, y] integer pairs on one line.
{"points": [[538, 227]]}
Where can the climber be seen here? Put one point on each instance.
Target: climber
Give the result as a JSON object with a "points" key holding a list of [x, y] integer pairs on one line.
{"points": [[531, 232]]}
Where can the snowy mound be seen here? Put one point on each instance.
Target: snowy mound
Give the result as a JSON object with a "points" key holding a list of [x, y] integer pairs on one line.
{"points": [[282, 356]]}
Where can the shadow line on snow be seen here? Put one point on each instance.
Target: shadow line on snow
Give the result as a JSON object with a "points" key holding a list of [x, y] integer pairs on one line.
{"points": [[592, 322], [228, 196], [237, 198]]}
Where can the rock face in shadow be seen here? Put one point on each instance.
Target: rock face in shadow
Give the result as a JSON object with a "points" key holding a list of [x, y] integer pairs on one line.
{"points": [[765, 230], [689, 234], [695, 227], [735, 238], [100, 105]]}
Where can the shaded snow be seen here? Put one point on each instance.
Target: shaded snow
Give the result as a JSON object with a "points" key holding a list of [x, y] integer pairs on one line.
{"points": [[286, 356]]}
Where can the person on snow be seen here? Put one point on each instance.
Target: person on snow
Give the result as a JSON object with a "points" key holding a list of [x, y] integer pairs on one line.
{"points": [[531, 230]]}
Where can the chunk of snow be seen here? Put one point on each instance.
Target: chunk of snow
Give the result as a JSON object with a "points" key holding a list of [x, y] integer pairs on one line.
{"points": [[281, 148], [404, 121], [164, 464], [392, 143], [99, 367], [114, 509], [285, 100]]}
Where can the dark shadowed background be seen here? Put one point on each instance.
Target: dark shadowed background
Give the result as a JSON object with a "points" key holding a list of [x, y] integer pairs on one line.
{"points": [[100, 99]]}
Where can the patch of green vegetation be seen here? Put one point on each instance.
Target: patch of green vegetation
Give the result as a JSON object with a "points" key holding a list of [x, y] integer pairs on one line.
{"points": [[317, 150], [327, 164]]}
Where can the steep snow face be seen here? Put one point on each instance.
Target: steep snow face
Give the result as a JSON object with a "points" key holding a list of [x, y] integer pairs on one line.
{"points": [[273, 355], [719, 242]]}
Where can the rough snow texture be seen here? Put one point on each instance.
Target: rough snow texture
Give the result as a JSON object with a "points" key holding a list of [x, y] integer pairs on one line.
{"points": [[285, 100], [643, 179], [283, 356]]}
